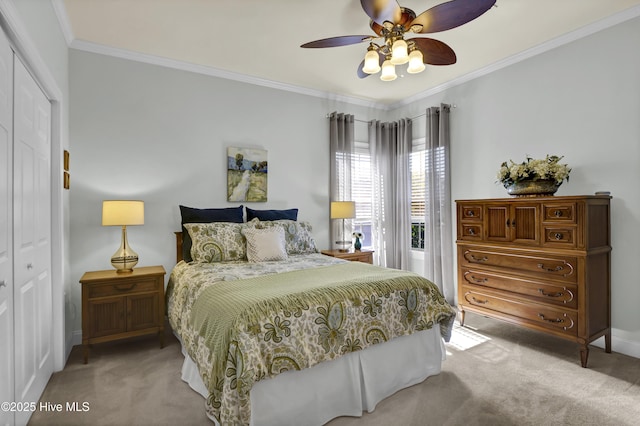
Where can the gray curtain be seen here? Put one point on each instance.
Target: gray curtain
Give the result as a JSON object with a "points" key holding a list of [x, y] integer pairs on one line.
{"points": [[390, 149], [438, 244], [341, 143]]}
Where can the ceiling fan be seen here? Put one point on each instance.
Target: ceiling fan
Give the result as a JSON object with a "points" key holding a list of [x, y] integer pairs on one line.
{"points": [[391, 22]]}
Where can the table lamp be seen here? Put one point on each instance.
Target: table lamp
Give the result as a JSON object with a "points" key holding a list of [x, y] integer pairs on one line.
{"points": [[343, 210], [123, 213]]}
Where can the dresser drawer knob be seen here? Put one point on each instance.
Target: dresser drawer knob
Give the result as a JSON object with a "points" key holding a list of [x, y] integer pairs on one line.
{"points": [[558, 236], [559, 321], [544, 293], [3, 283], [556, 269], [480, 302], [555, 321], [478, 259], [470, 213], [557, 213], [479, 280], [472, 231]]}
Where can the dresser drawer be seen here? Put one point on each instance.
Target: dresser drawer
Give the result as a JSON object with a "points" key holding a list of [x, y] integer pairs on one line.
{"points": [[471, 231], [557, 319], [559, 212], [559, 236], [542, 292], [544, 267], [122, 287], [471, 213]]}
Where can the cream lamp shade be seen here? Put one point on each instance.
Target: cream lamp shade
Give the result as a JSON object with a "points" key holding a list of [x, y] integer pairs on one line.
{"points": [[123, 213], [343, 210]]}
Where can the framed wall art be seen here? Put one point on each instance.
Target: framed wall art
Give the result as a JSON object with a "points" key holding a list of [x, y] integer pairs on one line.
{"points": [[247, 171]]}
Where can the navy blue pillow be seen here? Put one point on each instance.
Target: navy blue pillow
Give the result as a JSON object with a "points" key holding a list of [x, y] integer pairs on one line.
{"points": [[291, 214], [193, 215]]}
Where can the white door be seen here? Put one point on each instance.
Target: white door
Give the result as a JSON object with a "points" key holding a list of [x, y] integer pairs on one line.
{"points": [[6, 229], [31, 239]]}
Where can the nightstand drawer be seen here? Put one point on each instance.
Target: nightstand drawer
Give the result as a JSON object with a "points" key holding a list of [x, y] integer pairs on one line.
{"points": [[124, 287]]}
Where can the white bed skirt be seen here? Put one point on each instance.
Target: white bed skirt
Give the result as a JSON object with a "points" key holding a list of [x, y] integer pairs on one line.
{"points": [[346, 386]]}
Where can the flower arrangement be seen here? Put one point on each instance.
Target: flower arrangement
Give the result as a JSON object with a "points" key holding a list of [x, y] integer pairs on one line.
{"points": [[548, 168]]}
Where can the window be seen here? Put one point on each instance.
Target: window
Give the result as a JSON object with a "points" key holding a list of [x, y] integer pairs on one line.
{"points": [[361, 190], [420, 164], [417, 165]]}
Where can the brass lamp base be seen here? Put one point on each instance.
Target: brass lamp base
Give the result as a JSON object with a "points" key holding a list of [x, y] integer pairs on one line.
{"points": [[124, 259]]}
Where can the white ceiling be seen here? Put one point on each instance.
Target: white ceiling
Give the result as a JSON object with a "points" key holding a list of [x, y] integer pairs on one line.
{"points": [[258, 40]]}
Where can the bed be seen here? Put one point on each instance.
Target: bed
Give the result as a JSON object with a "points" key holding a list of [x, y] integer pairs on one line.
{"points": [[275, 333]]}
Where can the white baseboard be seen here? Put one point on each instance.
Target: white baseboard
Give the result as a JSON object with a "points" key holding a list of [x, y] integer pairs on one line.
{"points": [[620, 345], [76, 338]]}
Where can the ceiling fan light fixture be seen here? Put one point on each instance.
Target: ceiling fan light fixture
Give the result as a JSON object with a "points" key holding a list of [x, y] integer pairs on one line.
{"points": [[399, 52], [371, 62], [416, 63], [388, 71]]}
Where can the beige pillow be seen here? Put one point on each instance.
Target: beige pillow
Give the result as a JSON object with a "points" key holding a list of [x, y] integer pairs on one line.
{"points": [[265, 244]]}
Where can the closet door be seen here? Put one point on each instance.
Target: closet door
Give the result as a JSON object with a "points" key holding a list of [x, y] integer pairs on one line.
{"points": [[6, 229], [31, 239]]}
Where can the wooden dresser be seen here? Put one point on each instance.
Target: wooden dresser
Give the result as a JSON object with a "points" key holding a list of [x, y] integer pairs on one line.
{"points": [[541, 262]]}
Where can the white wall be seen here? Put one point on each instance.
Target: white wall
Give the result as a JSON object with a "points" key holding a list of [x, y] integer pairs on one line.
{"points": [[146, 132], [581, 100], [160, 135]]}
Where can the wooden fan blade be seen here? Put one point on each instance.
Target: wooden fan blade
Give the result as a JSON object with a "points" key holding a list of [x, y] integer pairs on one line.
{"points": [[435, 52], [382, 10], [452, 14], [337, 41]]}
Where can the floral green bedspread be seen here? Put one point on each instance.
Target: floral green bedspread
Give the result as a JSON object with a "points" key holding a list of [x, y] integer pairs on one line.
{"points": [[242, 322]]}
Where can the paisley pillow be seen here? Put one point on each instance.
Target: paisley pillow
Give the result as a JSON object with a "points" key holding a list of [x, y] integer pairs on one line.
{"points": [[216, 241], [298, 236]]}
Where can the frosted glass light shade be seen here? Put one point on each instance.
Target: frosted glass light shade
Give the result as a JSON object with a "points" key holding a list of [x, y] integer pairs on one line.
{"points": [[416, 63], [371, 62], [399, 53], [388, 71]]}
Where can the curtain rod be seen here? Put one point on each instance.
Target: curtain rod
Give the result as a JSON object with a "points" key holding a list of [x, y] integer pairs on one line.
{"points": [[411, 118], [354, 119]]}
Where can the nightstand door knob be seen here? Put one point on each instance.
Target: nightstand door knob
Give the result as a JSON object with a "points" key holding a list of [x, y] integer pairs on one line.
{"points": [[29, 265], [3, 283]]}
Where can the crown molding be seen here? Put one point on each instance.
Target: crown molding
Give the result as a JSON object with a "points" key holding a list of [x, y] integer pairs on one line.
{"points": [[569, 37]]}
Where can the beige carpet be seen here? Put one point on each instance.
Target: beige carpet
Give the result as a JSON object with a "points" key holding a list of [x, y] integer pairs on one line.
{"points": [[495, 374]]}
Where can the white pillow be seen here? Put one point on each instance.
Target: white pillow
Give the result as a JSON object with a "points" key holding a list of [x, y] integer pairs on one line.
{"points": [[265, 244]]}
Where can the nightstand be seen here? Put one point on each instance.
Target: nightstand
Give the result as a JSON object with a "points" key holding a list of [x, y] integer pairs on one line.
{"points": [[365, 256], [120, 305]]}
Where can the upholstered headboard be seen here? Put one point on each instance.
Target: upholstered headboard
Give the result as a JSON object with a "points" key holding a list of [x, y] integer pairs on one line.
{"points": [[178, 246]]}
